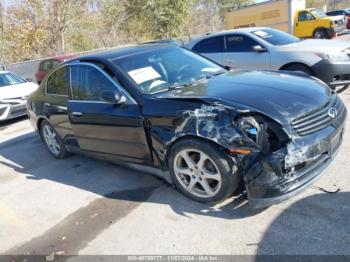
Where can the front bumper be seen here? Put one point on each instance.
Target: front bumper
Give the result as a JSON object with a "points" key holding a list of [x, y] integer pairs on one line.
{"points": [[290, 170], [10, 111], [333, 74]]}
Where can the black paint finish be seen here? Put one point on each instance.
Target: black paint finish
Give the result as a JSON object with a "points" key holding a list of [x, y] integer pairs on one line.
{"points": [[143, 129]]}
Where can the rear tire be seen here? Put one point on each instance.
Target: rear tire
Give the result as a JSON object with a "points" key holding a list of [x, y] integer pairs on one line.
{"points": [[52, 140], [201, 171]]}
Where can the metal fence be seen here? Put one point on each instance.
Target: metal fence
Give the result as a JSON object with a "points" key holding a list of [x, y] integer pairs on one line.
{"points": [[28, 69], [25, 69]]}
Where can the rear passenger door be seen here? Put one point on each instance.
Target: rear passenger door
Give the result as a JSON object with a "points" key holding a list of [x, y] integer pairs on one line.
{"points": [[115, 132], [212, 48], [239, 53]]}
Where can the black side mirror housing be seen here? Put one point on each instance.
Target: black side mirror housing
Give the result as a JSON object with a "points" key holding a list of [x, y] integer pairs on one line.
{"points": [[29, 79], [113, 97], [259, 49]]}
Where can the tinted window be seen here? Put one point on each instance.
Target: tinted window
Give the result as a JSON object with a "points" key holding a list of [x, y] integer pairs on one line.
{"points": [[210, 45], [46, 66], [275, 37], [305, 16], [58, 82], [239, 43], [88, 83], [55, 63]]}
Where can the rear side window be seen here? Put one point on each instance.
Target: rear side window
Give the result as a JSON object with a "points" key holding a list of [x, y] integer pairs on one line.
{"points": [[58, 82], [88, 83], [210, 45], [46, 66], [239, 43]]}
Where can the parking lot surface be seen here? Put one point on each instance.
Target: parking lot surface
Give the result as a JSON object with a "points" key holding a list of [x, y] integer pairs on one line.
{"points": [[81, 205]]}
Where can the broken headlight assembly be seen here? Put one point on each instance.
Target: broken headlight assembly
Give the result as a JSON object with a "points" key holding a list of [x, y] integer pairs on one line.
{"points": [[266, 134]]}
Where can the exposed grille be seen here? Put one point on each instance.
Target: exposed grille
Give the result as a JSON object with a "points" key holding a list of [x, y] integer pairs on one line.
{"points": [[318, 119], [18, 111]]}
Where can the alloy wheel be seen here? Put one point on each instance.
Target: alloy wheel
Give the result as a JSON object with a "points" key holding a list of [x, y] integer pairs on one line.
{"points": [[51, 140], [197, 173]]}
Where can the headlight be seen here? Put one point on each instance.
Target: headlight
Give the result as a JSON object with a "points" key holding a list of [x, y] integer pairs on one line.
{"points": [[335, 57], [250, 127]]}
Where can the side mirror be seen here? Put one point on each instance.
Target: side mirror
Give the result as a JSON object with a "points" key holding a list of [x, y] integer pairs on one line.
{"points": [[259, 49], [115, 98], [29, 79]]}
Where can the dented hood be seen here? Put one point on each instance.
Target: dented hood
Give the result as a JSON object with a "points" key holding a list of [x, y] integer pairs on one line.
{"points": [[280, 96]]}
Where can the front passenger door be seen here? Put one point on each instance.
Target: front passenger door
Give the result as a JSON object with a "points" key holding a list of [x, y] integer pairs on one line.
{"points": [[239, 53], [110, 130]]}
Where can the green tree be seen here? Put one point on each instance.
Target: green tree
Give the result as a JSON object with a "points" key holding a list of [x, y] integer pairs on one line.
{"points": [[158, 19], [112, 20]]}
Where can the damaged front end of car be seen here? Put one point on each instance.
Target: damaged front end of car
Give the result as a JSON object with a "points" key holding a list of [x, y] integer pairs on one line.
{"points": [[275, 162]]}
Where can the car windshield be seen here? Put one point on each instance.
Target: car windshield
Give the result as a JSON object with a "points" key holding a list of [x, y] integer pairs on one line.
{"points": [[166, 68], [275, 37], [318, 13], [7, 79]]}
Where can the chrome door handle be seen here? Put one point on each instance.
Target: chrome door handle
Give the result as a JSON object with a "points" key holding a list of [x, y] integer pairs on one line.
{"points": [[77, 114]]}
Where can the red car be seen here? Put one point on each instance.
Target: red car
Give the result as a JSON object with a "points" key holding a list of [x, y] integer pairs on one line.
{"points": [[344, 12], [46, 65]]}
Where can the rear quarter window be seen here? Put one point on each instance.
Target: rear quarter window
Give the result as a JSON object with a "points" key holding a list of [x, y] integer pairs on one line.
{"points": [[210, 45], [58, 82]]}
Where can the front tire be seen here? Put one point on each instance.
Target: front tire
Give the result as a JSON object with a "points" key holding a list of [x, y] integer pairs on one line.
{"points": [[301, 68], [320, 34], [201, 171], [52, 140]]}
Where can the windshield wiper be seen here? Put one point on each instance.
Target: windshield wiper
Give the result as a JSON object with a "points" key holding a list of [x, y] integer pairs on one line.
{"points": [[217, 73], [208, 76]]}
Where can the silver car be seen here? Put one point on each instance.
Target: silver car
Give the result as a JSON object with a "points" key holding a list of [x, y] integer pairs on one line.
{"points": [[267, 48]]}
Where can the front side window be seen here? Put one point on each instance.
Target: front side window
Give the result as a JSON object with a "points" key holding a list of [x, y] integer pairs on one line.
{"points": [[210, 45], [275, 37], [239, 43], [58, 82], [8, 79], [305, 16], [88, 83], [161, 69]]}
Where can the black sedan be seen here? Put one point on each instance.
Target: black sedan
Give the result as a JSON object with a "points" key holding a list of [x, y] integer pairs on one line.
{"points": [[162, 109]]}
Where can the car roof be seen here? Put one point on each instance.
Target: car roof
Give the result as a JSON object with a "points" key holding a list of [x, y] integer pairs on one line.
{"points": [[125, 51], [60, 58]]}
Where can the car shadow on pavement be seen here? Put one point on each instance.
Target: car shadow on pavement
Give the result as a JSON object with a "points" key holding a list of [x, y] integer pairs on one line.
{"points": [[315, 225], [28, 156], [5, 124]]}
